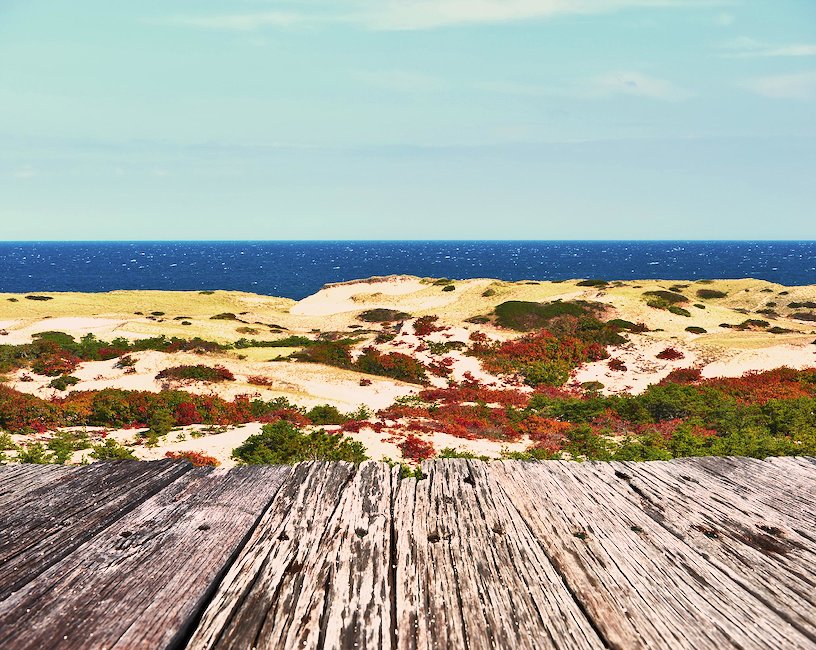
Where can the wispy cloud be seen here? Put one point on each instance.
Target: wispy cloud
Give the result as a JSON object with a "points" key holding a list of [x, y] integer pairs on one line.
{"points": [[725, 19], [745, 47], [240, 22], [424, 14], [639, 85], [617, 83], [799, 85], [25, 172]]}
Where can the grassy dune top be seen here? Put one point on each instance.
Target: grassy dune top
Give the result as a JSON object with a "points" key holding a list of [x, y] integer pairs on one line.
{"points": [[667, 306]]}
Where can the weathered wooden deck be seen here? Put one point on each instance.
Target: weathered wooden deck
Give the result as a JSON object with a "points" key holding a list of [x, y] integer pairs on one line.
{"points": [[698, 553]]}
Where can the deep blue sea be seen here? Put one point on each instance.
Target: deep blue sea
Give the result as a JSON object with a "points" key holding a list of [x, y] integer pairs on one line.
{"points": [[297, 269]]}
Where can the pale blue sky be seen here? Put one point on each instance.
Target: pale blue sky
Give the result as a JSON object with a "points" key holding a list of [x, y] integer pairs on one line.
{"points": [[418, 119]]}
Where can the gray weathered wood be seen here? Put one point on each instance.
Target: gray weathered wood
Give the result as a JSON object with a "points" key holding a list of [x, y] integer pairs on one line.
{"points": [[741, 536], [19, 479], [141, 582], [316, 571], [47, 523], [469, 573], [785, 484], [642, 585], [693, 553]]}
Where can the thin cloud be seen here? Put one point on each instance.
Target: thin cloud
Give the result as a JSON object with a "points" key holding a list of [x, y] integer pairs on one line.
{"points": [[617, 83], [745, 47], [239, 22], [395, 15], [799, 85], [640, 85], [724, 19], [25, 172]]}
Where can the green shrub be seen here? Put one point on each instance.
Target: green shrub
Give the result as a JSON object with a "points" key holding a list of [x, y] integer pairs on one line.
{"points": [[449, 287], [111, 450], [450, 452], [196, 373], [225, 316], [293, 341], [546, 373], [7, 443], [35, 453], [281, 443], [382, 315], [668, 300], [709, 294], [531, 454], [326, 414], [524, 316], [666, 297], [62, 383], [487, 293], [593, 283], [679, 311], [752, 323], [64, 443], [696, 330], [160, 423], [40, 298], [441, 282]]}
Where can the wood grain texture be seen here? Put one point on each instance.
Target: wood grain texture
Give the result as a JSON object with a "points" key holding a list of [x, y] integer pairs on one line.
{"points": [[315, 572], [19, 479], [691, 553], [643, 586], [736, 533], [783, 484], [47, 523], [141, 582], [470, 574]]}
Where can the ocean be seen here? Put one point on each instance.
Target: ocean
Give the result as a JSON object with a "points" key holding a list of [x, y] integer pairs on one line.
{"points": [[295, 269]]}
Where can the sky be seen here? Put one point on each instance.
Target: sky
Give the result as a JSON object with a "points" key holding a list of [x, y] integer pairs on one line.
{"points": [[407, 119]]}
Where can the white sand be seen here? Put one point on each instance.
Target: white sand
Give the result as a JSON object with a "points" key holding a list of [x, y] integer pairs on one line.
{"points": [[339, 298]]}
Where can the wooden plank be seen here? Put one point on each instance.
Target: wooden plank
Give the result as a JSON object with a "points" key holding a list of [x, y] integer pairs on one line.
{"points": [[19, 479], [642, 585], [744, 538], [315, 572], [141, 582], [469, 573], [786, 485], [49, 522]]}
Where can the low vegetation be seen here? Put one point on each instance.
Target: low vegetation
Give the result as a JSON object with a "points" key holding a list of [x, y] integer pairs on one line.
{"points": [[382, 315], [196, 373], [282, 443]]}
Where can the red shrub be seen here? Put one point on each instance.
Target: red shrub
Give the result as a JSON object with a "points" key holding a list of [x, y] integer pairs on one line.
{"points": [[186, 414], [195, 457], [426, 325], [671, 354], [683, 376], [416, 449], [616, 365], [257, 380], [545, 433]]}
